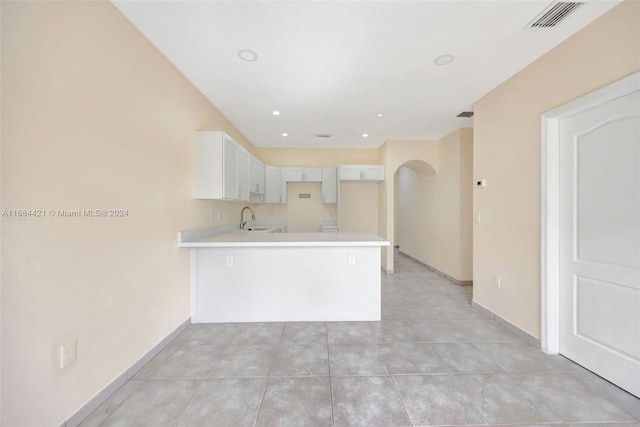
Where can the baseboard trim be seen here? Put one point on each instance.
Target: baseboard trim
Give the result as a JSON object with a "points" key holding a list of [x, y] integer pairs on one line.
{"points": [[435, 270], [504, 322], [119, 381]]}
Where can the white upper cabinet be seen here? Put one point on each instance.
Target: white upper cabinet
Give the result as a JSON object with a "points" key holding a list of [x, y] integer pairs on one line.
{"points": [[303, 174], [329, 185], [243, 175], [371, 173], [230, 170], [222, 167], [275, 186], [256, 181]]}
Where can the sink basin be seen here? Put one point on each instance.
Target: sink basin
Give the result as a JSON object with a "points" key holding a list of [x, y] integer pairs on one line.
{"points": [[262, 229]]}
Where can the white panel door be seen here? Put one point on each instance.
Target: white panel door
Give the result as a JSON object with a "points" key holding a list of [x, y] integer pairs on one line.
{"points": [[600, 240]]}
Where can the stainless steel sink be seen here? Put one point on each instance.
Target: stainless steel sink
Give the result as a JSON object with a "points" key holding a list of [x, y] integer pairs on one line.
{"points": [[262, 229]]}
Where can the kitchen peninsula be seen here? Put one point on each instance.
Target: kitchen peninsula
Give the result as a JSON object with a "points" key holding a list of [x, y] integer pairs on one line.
{"points": [[252, 276]]}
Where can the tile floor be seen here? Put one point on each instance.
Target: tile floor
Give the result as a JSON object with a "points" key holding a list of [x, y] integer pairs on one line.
{"points": [[432, 360]]}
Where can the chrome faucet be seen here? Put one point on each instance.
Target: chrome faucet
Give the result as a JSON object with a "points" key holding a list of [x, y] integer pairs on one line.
{"points": [[242, 221]]}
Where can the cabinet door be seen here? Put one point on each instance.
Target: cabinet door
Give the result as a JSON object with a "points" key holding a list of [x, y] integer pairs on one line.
{"points": [[350, 173], [294, 174], [329, 185], [253, 175], [243, 175], [373, 173], [274, 185], [312, 174], [260, 170], [230, 170]]}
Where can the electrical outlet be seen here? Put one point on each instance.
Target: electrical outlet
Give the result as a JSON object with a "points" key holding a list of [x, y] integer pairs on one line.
{"points": [[478, 217], [220, 216], [352, 259], [68, 352], [496, 281], [229, 260]]}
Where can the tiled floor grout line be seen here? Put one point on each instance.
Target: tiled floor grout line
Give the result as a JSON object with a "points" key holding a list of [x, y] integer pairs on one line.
{"points": [[404, 408], [333, 421], [480, 365], [459, 387], [264, 392], [184, 411]]}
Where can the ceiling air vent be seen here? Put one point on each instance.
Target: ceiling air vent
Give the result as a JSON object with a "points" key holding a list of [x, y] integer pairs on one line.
{"points": [[554, 14], [323, 135], [465, 114]]}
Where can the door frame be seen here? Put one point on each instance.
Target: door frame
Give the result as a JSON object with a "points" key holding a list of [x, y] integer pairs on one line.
{"points": [[550, 201]]}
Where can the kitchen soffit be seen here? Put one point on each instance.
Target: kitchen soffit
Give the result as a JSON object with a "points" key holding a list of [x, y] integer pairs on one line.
{"points": [[331, 67]]}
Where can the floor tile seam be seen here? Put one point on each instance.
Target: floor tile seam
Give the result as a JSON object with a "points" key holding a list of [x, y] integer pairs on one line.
{"points": [[299, 376], [114, 409], [463, 391], [333, 422], [153, 371], [186, 407], [264, 392], [266, 385], [404, 408], [537, 400]]}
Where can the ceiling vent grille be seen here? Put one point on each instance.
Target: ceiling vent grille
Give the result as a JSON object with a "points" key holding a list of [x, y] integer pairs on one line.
{"points": [[465, 114], [554, 14], [323, 135]]}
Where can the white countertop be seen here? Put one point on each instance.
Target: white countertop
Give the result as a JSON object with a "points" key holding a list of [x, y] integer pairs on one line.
{"points": [[239, 238]]}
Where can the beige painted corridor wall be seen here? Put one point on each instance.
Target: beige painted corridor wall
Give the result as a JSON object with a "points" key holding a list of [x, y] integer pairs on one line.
{"points": [[434, 211], [507, 154], [93, 116]]}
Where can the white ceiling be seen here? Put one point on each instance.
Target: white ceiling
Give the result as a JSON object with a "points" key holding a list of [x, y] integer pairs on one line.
{"points": [[331, 66]]}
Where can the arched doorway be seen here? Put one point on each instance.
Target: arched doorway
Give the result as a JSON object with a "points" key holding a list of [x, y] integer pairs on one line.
{"points": [[407, 198]]}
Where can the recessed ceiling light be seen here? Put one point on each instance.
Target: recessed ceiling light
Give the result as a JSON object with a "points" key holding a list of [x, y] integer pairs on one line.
{"points": [[276, 113], [444, 59], [285, 134], [365, 135], [247, 55], [379, 115]]}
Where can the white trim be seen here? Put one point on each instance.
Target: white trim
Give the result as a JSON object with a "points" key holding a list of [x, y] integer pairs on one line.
{"points": [[97, 400], [550, 201], [504, 322], [194, 285]]}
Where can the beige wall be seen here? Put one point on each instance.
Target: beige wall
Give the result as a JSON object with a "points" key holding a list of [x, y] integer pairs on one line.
{"points": [[93, 117], [506, 242], [393, 154], [434, 215], [306, 215], [317, 156], [359, 208]]}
